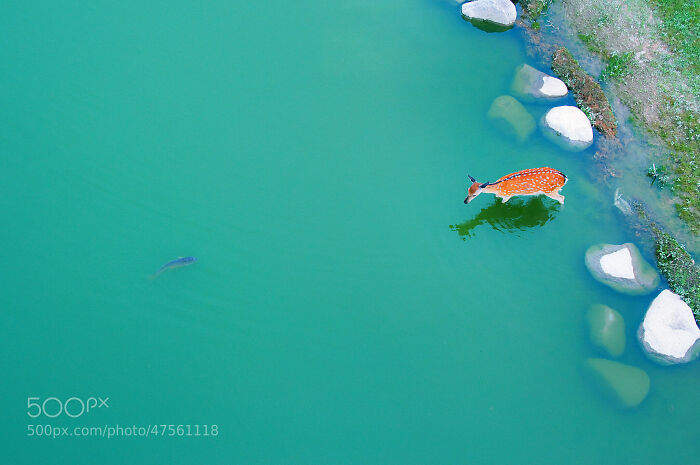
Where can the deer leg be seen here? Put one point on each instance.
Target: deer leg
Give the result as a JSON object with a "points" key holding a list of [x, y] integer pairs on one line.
{"points": [[556, 196], [504, 199]]}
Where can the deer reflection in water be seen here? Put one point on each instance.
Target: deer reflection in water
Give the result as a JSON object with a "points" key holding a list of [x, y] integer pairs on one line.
{"points": [[517, 214]]}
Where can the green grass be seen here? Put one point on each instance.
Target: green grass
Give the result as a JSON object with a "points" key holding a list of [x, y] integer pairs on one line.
{"points": [[659, 176], [681, 28], [618, 67], [681, 31], [679, 269], [687, 186], [534, 8], [593, 44], [682, 133]]}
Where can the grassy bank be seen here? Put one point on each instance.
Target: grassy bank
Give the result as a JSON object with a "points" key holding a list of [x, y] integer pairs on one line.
{"points": [[651, 50], [681, 28], [652, 54], [681, 31]]}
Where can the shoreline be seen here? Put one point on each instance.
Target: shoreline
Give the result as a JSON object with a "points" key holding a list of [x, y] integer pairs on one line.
{"points": [[673, 146], [663, 112], [629, 81]]}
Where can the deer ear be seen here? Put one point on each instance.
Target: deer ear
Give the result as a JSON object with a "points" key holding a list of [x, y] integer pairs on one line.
{"points": [[472, 179], [484, 185]]}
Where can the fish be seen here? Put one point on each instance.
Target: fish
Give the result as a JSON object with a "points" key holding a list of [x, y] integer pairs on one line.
{"points": [[622, 204], [177, 263]]}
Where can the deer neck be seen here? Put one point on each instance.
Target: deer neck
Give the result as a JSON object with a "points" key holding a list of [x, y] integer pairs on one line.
{"points": [[490, 189]]}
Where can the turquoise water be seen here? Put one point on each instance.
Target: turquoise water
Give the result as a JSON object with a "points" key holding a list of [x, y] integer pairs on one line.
{"points": [[346, 307]]}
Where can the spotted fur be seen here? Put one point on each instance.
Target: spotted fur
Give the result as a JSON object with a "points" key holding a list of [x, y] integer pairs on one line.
{"points": [[533, 181]]}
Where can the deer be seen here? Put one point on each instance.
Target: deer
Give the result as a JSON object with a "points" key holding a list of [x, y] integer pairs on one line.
{"points": [[533, 181]]}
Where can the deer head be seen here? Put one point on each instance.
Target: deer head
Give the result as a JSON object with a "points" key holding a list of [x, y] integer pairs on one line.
{"points": [[474, 190]]}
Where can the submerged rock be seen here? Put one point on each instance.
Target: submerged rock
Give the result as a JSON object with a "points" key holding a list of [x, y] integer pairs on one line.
{"points": [[498, 12], [569, 127], [512, 112], [669, 333], [607, 329], [627, 384], [622, 268], [530, 83]]}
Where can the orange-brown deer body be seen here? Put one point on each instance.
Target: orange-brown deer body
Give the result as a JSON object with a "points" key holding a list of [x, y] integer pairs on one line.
{"points": [[533, 181]]}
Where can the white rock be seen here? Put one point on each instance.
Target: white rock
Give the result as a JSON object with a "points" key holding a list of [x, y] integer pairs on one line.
{"points": [[553, 87], [642, 279], [571, 123], [501, 12], [669, 333], [532, 84], [618, 264]]}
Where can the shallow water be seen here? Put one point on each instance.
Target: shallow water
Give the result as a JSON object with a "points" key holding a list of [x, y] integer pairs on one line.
{"points": [[346, 306]]}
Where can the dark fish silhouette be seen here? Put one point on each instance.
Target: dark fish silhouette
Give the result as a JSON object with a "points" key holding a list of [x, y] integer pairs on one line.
{"points": [[177, 263]]}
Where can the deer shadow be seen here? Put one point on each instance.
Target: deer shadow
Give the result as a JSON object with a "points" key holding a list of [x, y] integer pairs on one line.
{"points": [[515, 215]]}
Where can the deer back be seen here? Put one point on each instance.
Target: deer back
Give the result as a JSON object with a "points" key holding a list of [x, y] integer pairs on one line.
{"points": [[530, 181]]}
